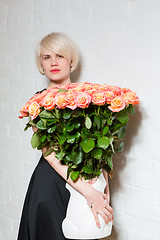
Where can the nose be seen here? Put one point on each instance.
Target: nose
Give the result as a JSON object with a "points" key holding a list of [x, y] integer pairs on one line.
{"points": [[54, 61]]}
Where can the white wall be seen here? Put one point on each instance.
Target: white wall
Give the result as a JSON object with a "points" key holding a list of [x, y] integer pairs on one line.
{"points": [[119, 41]]}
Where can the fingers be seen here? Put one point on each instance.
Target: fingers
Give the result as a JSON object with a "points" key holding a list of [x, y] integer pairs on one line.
{"points": [[104, 215], [96, 218]]}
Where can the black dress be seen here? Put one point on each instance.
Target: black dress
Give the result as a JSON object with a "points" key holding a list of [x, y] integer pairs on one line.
{"points": [[45, 205]]}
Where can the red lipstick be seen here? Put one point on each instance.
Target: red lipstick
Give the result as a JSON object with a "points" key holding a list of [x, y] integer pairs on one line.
{"points": [[56, 70]]}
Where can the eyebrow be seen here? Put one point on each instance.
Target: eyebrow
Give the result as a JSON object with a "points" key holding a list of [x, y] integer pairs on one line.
{"points": [[45, 55]]}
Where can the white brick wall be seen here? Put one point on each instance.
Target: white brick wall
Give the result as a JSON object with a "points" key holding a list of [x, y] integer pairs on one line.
{"points": [[119, 42]]}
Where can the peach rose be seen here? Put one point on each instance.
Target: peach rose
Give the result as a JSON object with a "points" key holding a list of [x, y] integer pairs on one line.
{"points": [[98, 98], [83, 100], [24, 110], [115, 89], [71, 100], [39, 96], [48, 102], [131, 98], [60, 100], [109, 96], [34, 110], [117, 104]]}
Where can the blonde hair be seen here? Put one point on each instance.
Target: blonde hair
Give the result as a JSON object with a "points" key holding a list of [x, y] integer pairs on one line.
{"points": [[61, 45]]}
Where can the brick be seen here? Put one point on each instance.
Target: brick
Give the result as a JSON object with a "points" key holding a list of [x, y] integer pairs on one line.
{"points": [[138, 236], [10, 141], [5, 221], [2, 198], [144, 211], [134, 194], [144, 9], [13, 22], [27, 6], [3, 10], [149, 228], [156, 168], [9, 234], [147, 182]]}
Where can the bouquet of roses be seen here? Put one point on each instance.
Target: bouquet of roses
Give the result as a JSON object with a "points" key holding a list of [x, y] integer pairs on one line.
{"points": [[83, 123]]}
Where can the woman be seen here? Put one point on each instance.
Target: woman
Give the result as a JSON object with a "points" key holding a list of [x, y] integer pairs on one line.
{"points": [[47, 198]]}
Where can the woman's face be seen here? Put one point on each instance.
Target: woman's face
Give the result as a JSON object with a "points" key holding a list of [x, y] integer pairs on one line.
{"points": [[55, 67]]}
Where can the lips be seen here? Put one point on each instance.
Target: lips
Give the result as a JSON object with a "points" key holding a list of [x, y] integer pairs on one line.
{"points": [[56, 70]]}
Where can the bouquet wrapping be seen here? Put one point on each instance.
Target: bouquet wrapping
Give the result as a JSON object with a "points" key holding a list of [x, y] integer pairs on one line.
{"points": [[83, 123]]}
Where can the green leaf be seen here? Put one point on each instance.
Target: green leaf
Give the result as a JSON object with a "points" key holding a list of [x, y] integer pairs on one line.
{"points": [[87, 145], [52, 129], [57, 113], [78, 158], [69, 157], [111, 143], [103, 142], [43, 138], [109, 121], [60, 155], [48, 152], [70, 127], [60, 90], [88, 123], [35, 140], [62, 139], [97, 121], [69, 171], [97, 153], [105, 130], [121, 146], [77, 125], [123, 116], [40, 124], [46, 114], [88, 170], [77, 135], [121, 132], [74, 175], [70, 138], [131, 109], [67, 114], [110, 163]]}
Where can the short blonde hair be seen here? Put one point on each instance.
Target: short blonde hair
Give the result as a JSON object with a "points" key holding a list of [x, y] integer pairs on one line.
{"points": [[61, 45]]}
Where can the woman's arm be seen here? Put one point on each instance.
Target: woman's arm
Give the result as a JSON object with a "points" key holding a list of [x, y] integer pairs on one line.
{"points": [[106, 191], [95, 199]]}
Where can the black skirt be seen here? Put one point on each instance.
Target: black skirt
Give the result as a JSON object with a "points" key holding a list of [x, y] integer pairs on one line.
{"points": [[45, 205]]}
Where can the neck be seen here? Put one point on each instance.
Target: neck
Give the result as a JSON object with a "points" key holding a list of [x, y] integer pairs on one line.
{"points": [[57, 83]]}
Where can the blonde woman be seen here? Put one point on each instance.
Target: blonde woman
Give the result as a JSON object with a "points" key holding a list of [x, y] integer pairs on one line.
{"points": [[47, 197]]}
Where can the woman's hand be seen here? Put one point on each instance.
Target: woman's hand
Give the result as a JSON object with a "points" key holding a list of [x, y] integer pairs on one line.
{"points": [[98, 204]]}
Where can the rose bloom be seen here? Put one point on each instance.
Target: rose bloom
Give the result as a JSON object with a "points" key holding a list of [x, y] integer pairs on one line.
{"points": [[109, 96], [115, 89], [71, 100], [60, 100], [39, 96], [83, 100], [124, 90], [72, 85], [24, 110], [98, 98], [34, 110], [48, 102], [88, 86], [131, 98], [117, 104]]}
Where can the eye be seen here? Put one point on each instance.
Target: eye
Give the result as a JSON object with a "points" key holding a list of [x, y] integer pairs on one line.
{"points": [[59, 56], [45, 57]]}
